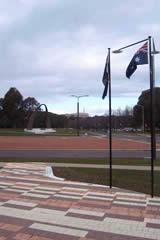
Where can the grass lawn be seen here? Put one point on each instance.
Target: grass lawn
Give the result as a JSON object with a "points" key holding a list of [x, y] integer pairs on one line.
{"points": [[20, 132], [116, 161], [133, 180], [14, 132]]}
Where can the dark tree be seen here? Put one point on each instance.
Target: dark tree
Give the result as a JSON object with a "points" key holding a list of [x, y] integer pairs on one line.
{"points": [[1, 104], [143, 104], [12, 105], [30, 104]]}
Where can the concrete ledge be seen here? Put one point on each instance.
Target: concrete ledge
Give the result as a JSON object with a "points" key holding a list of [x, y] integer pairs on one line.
{"points": [[40, 131]]}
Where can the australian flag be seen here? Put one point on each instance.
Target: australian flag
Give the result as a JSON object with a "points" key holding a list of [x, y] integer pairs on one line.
{"points": [[140, 58], [106, 77]]}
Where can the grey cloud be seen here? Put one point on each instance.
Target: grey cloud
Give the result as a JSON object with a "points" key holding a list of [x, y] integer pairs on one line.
{"points": [[55, 48]]}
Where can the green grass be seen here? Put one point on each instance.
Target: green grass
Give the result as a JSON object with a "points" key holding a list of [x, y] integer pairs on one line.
{"points": [[14, 132], [133, 180], [116, 161], [20, 132]]}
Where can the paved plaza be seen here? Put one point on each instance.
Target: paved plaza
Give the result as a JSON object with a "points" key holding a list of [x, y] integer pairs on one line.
{"points": [[36, 207]]}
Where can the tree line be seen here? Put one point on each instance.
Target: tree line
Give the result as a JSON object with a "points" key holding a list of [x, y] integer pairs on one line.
{"points": [[15, 112], [136, 117]]}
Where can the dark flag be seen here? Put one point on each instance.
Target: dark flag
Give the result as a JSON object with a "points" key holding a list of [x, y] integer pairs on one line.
{"points": [[106, 77], [140, 58]]}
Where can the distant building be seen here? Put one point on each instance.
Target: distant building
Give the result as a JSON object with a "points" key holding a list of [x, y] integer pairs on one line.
{"points": [[81, 115]]}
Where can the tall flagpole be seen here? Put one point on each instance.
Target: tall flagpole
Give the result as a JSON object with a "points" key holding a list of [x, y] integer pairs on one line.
{"points": [[152, 119], [110, 123], [152, 102]]}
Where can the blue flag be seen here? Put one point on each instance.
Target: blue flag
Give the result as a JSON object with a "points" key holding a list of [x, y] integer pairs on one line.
{"points": [[106, 77], [140, 58]]}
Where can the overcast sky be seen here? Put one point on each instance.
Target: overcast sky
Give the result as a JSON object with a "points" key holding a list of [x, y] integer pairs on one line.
{"points": [[51, 49]]}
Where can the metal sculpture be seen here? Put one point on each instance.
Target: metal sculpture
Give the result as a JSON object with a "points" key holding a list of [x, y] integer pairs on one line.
{"points": [[33, 115]]}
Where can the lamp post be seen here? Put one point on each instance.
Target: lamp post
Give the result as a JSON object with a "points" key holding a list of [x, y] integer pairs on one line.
{"points": [[152, 100], [154, 52], [78, 97], [142, 107]]}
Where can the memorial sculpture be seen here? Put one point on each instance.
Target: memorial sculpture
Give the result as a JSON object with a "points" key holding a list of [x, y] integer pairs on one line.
{"points": [[31, 120]]}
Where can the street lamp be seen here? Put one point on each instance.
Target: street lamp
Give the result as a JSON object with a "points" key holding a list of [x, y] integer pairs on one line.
{"points": [[120, 50], [152, 100], [78, 97], [154, 52]]}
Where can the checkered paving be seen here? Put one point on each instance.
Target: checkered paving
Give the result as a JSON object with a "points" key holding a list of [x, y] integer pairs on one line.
{"points": [[35, 207]]}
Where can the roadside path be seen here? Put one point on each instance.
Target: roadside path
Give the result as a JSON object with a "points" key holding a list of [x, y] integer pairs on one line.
{"points": [[103, 166], [99, 166]]}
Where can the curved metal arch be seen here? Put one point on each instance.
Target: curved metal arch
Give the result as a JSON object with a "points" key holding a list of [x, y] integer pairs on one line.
{"points": [[42, 105], [33, 115]]}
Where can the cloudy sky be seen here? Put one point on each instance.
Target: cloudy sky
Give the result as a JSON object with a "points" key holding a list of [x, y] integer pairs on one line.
{"points": [[51, 49]]}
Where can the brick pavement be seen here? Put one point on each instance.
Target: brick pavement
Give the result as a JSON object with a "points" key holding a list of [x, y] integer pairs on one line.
{"points": [[35, 207]]}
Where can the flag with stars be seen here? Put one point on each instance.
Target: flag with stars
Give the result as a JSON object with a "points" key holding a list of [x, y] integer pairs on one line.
{"points": [[140, 58], [106, 77]]}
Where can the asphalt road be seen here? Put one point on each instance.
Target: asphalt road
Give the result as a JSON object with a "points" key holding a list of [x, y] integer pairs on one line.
{"points": [[75, 153], [87, 153]]}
